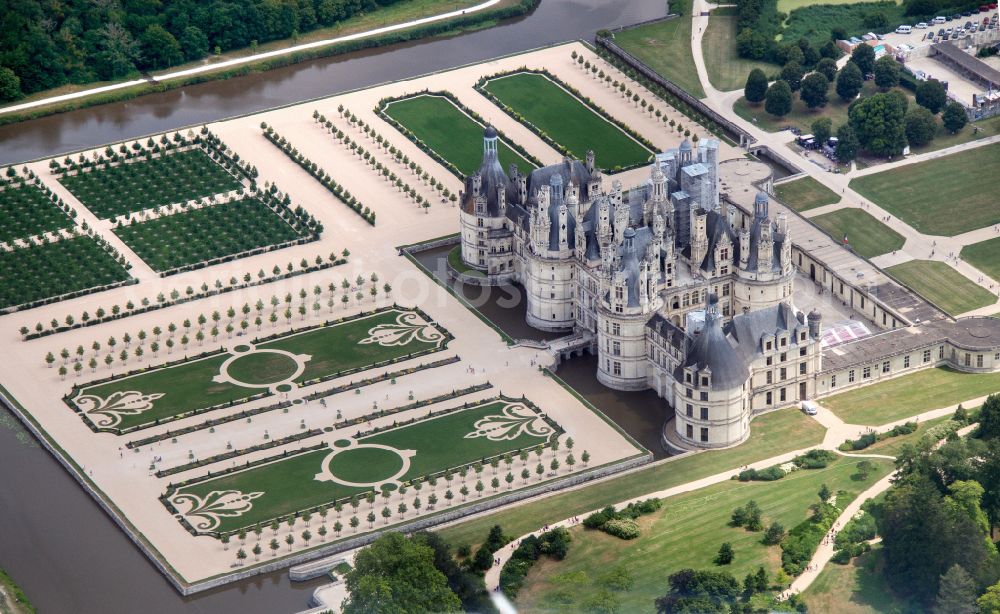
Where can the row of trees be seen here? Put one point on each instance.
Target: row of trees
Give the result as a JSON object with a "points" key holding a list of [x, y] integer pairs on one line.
{"points": [[45, 45]]}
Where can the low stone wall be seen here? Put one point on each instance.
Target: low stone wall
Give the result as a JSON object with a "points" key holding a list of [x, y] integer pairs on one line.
{"points": [[332, 553]]}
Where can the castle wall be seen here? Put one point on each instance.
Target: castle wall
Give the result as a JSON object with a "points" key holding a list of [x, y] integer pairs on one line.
{"points": [[551, 286], [710, 418], [621, 350]]}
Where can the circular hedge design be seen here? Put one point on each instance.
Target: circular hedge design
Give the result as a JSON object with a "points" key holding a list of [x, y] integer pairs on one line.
{"points": [[366, 465], [262, 368]]}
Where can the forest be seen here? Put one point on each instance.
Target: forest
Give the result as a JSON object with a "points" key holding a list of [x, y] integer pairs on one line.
{"points": [[49, 43]]}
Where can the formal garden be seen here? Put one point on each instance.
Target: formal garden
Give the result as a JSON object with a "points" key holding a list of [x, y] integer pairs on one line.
{"points": [[460, 440], [28, 209], [213, 232], [53, 270], [449, 131], [942, 285], [944, 196], [804, 194], [566, 121], [248, 370], [112, 188]]}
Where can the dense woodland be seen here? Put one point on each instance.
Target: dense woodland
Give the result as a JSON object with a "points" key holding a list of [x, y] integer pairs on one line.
{"points": [[48, 43]]}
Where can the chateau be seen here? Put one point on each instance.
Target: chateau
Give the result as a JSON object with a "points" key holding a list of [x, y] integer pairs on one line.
{"points": [[671, 288]]}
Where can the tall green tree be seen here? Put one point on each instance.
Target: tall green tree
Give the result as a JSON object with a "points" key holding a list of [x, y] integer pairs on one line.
{"points": [[778, 100], [756, 86], [394, 575], [847, 144], [989, 417], [10, 85], [886, 72], [822, 129], [957, 593], [954, 117], [849, 81], [864, 57], [705, 592], [159, 48], [920, 126], [792, 73], [828, 68], [878, 123], [814, 89], [931, 95]]}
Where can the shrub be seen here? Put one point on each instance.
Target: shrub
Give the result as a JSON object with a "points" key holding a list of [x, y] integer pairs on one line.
{"points": [[814, 459], [768, 474], [725, 555], [774, 534], [622, 528]]}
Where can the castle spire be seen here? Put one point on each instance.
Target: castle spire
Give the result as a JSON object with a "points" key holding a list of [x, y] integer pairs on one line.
{"points": [[489, 144]]}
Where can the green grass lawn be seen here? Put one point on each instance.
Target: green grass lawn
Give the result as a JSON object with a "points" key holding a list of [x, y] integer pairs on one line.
{"points": [[440, 443], [971, 132], [455, 136], [804, 194], [42, 271], [802, 117], [942, 285], [945, 196], [665, 46], [456, 262], [686, 533], [143, 184], [855, 588], [188, 386], [985, 256], [567, 120], [770, 434], [197, 235], [892, 445], [866, 235], [726, 69], [909, 395], [25, 211]]}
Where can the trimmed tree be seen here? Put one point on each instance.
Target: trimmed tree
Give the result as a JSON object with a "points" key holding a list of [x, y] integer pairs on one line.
{"points": [[828, 68], [931, 95], [878, 123], [756, 86], [847, 144], [954, 117], [814, 89], [778, 100], [919, 126], [886, 72], [822, 128], [849, 81], [792, 74], [864, 57]]}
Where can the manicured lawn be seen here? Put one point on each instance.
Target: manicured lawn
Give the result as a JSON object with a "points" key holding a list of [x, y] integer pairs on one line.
{"points": [[456, 262], [909, 395], [455, 136], [665, 46], [686, 533], [945, 196], [51, 269], [193, 236], [771, 434], [892, 445], [985, 256], [973, 131], [726, 69], [804, 194], [440, 443], [942, 285], [338, 348], [866, 235], [787, 6], [855, 588], [567, 120], [143, 184], [332, 349], [26, 211]]}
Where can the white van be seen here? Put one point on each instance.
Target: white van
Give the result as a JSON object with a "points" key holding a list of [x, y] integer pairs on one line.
{"points": [[904, 29], [810, 407], [939, 20]]}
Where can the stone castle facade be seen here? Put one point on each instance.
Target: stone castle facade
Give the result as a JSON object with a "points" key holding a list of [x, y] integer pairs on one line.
{"points": [[672, 288]]}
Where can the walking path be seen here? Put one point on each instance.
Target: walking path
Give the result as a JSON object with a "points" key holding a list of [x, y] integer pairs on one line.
{"points": [[918, 245], [179, 74], [837, 432]]}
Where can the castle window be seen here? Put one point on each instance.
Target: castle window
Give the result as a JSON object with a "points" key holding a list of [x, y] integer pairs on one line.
{"points": [[687, 301], [616, 348], [690, 411], [704, 413], [690, 393], [619, 293], [927, 355], [724, 254], [703, 395], [940, 352], [704, 381], [770, 399], [616, 328], [784, 342], [616, 368], [968, 360], [725, 290], [979, 361], [479, 221], [725, 309], [770, 360], [850, 376], [704, 434], [784, 356], [781, 394], [802, 350], [767, 346], [689, 431], [833, 381], [866, 373], [784, 374], [770, 377], [906, 362], [724, 270], [802, 368]]}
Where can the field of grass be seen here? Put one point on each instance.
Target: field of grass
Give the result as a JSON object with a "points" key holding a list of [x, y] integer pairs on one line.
{"points": [[942, 285], [804, 194], [855, 588], [567, 120], [686, 533], [892, 445], [51, 269], [665, 46], [945, 196], [26, 211], [188, 386], [289, 485], [770, 434], [455, 136], [985, 256], [726, 69], [214, 231], [909, 395], [787, 6], [143, 184], [866, 235]]}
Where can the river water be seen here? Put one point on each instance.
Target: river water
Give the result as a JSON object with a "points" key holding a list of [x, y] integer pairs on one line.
{"points": [[54, 540], [552, 21]]}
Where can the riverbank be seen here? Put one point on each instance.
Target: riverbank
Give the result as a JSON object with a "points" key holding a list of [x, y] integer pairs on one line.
{"points": [[479, 16], [12, 598]]}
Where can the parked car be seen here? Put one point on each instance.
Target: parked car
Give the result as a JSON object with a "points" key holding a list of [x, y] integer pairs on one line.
{"points": [[938, 20], [921, 26], [810, 408]]}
